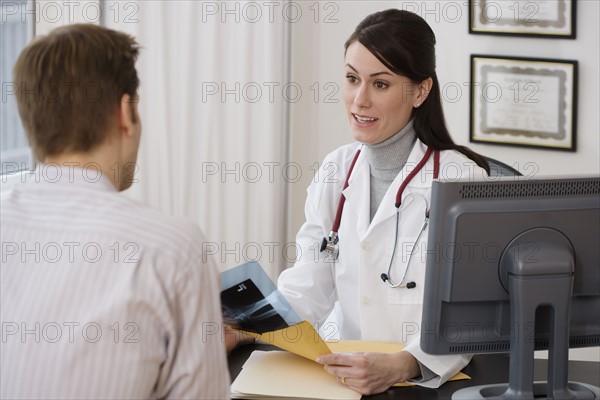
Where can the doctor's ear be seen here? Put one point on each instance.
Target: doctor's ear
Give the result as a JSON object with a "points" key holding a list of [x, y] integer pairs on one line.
{"points": [[423, 89]]}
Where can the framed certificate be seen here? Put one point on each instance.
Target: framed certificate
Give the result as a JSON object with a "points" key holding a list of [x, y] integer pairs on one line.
{"points": [[523, 102], [539, 18]]}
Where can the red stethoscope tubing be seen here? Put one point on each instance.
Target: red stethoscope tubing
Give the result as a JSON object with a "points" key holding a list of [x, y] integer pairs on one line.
{"points": [[340, 209], [409, 178]]}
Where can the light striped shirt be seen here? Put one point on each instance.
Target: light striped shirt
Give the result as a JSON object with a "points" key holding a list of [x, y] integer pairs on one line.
{"points": [[104, 298]]}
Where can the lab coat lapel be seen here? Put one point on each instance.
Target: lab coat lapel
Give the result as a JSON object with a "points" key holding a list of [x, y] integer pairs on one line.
{"points": [[387, 207], [357, 194]]}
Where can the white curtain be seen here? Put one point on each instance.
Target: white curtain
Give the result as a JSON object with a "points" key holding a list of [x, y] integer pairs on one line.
{"points": [[214, 105]]}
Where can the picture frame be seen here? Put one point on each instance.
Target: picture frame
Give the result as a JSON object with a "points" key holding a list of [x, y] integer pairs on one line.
{"points": [[527, 102], [539, 18]]}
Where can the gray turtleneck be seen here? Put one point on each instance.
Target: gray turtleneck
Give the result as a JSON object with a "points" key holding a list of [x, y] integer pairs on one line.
{"points": [[386, 160]]}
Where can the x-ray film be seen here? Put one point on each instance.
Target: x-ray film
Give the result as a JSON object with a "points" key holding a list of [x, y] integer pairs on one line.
{"points": [[251, 301]]}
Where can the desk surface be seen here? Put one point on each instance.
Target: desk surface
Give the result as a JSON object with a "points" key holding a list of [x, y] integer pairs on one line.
{"points": [[483, 369]]}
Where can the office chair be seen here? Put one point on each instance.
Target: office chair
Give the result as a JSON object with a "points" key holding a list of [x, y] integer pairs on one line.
{"points": [[498, 168]]}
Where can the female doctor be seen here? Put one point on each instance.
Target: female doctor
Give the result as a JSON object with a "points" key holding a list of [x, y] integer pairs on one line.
{"points": [[393, 105]]}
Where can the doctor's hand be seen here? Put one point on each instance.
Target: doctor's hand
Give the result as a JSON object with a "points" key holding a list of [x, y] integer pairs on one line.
{"points": [[371, 373]]}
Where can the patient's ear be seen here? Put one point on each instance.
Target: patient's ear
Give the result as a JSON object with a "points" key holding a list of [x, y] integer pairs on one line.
{"points": [[127, 115]]}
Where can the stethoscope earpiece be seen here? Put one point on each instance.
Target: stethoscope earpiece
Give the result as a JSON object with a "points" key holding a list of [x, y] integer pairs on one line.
{"points": [[409, 285]]}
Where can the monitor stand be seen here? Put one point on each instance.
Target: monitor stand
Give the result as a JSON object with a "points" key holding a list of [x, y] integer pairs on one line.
{"points": [[538, 266]]}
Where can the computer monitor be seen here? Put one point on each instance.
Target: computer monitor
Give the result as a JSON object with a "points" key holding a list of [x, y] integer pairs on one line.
{"points": [[514, 265]]}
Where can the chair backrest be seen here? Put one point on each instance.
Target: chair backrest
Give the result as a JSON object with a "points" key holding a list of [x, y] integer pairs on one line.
{"points": [[498, 168]]}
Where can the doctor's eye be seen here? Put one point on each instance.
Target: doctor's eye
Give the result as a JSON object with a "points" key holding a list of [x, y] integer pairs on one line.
{"points": [[351, 78]]}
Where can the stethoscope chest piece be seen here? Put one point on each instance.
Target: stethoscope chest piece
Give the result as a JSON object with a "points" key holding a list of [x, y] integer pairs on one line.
{"points": [[330, 245]]}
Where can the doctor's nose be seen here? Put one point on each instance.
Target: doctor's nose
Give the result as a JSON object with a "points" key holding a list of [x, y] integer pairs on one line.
{"points": [[362, 98]]}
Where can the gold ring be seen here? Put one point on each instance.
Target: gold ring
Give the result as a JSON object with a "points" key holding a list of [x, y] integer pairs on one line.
{"points": [[343, 380]]}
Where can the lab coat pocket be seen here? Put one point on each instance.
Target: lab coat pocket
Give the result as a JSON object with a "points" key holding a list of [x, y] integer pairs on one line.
{"points": [[413, 272]]}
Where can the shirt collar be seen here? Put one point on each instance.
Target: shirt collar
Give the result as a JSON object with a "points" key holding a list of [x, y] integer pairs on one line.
{"points": [[88, 176]]}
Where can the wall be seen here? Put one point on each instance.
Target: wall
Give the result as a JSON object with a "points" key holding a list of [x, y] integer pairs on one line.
{"points": [[453, 66]]}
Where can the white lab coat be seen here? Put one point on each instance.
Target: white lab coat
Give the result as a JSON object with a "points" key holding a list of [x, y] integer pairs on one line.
{"points": [[368, 308]]}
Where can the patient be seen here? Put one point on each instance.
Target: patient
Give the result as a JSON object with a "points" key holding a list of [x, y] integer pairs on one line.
{"points": [[101, 297]]}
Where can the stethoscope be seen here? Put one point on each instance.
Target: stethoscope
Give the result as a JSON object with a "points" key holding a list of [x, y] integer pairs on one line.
{"points": [[330, 244]]}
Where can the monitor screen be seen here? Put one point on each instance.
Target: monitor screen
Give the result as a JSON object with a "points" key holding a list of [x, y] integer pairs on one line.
{"points": [[513, 265]]}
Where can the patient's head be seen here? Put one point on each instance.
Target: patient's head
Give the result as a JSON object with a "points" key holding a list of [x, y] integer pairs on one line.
{"points": [[70, 85]]}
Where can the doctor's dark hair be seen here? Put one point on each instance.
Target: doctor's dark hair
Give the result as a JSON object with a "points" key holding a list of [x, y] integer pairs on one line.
{"points": [[405, 44], [70, 84]]}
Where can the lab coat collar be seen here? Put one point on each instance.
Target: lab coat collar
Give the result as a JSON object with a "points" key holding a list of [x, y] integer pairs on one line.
{"points": [[357, 193]]}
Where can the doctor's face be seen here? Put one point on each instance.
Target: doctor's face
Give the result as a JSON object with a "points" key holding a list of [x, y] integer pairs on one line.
{"points": [[378, 101]]}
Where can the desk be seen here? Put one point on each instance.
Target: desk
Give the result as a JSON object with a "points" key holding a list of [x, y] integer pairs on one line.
{"points": [[483, 369]]}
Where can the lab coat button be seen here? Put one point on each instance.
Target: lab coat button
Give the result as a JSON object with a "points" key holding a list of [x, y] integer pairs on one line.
{"points": [[366, 245], [365, 300]]}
